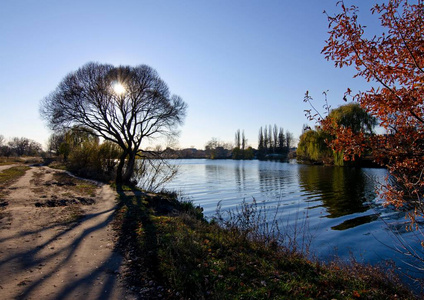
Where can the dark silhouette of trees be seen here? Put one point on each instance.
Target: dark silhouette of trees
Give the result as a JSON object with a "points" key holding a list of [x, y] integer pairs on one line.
{"points": [[19, 147], [55, 142], [4, 149], [216, 149], [266, 139], [281, 141], [241, 151], [238, 139], [261, 141], [273, 142], [24, 146], [243, 141], [124, 105], [289, 140]]}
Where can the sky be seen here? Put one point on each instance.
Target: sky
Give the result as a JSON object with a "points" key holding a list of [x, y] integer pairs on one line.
{"points": [[238, 64]]}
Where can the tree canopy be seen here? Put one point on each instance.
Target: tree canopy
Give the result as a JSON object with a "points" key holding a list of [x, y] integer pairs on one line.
{"points": [[313, 147], [124, 105], [320, 145], [352, 116]]}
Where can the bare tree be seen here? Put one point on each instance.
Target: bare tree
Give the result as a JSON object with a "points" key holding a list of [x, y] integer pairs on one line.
{"points": [[18, 145], [24, 146], [275, 138], [124, 105], [266, 140], [289, 140], [55, 142], [216, 149], [243, 141], [237, 139], [260, 139], [281, 140]]}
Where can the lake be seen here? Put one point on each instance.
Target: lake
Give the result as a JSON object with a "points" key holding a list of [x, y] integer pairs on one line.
{"points": [[336, 208]]}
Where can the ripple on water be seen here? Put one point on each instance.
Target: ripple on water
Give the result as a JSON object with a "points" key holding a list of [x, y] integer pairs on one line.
{"points": [[338, 206]]}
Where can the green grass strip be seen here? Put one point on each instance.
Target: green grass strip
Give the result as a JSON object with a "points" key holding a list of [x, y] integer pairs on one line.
{"points": [[12, 174]]}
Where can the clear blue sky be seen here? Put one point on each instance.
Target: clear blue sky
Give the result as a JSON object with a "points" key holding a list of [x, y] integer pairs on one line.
{"points": [[237, 64]]}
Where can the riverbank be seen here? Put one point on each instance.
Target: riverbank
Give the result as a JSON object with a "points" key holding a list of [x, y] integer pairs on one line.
{"points": [[175, 254]]}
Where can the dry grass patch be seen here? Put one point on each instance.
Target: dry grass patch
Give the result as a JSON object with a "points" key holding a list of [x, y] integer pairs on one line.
{"points": [[70, 214], [75, 185], [29, 160]]}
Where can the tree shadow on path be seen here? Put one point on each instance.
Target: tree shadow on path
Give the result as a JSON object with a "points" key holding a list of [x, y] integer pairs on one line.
{"points": [[74, 262]]}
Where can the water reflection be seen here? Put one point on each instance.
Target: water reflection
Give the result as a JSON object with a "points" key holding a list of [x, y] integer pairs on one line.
{"points": [[213, 173], [342, 191], [273, 179], [350, 223], [240, 176], [339, 203]]}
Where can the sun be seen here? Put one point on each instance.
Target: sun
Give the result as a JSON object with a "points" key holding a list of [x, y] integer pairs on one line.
{"points": [[118, 88]]}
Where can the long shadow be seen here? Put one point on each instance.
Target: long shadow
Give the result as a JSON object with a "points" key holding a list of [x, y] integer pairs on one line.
{"points": [[28, 256], [108, 267], [137, 214], [34, 257], [87, 280], [139, 211]]}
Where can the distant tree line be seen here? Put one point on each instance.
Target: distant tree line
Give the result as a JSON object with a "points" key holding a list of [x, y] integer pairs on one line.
{"points": [[241, 150], [19, 147], [216, 149], [274, 143]]}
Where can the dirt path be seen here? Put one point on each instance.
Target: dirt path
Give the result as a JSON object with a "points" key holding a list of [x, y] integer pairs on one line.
{"points": [[45, 256]]}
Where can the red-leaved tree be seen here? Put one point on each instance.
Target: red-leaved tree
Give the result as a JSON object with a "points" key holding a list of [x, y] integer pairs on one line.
{"points": [[394, 61]]}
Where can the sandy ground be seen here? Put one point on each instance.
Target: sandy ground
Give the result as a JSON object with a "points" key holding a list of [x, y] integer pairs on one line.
{"points": [[43, 256]]}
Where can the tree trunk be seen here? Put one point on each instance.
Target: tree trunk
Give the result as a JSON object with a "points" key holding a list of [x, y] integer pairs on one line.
{"points": [[129, 170], [120, 168]]}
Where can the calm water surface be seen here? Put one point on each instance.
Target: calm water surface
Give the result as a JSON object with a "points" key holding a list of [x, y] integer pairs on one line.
{"points": [[339, 205]]}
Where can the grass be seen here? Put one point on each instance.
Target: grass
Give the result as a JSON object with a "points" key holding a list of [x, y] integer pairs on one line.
{"points": [[20, 160], [174, 252], [81, 187], [9, 175], [68, 207], [57, 165], [71, 215], [8, 161]]}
